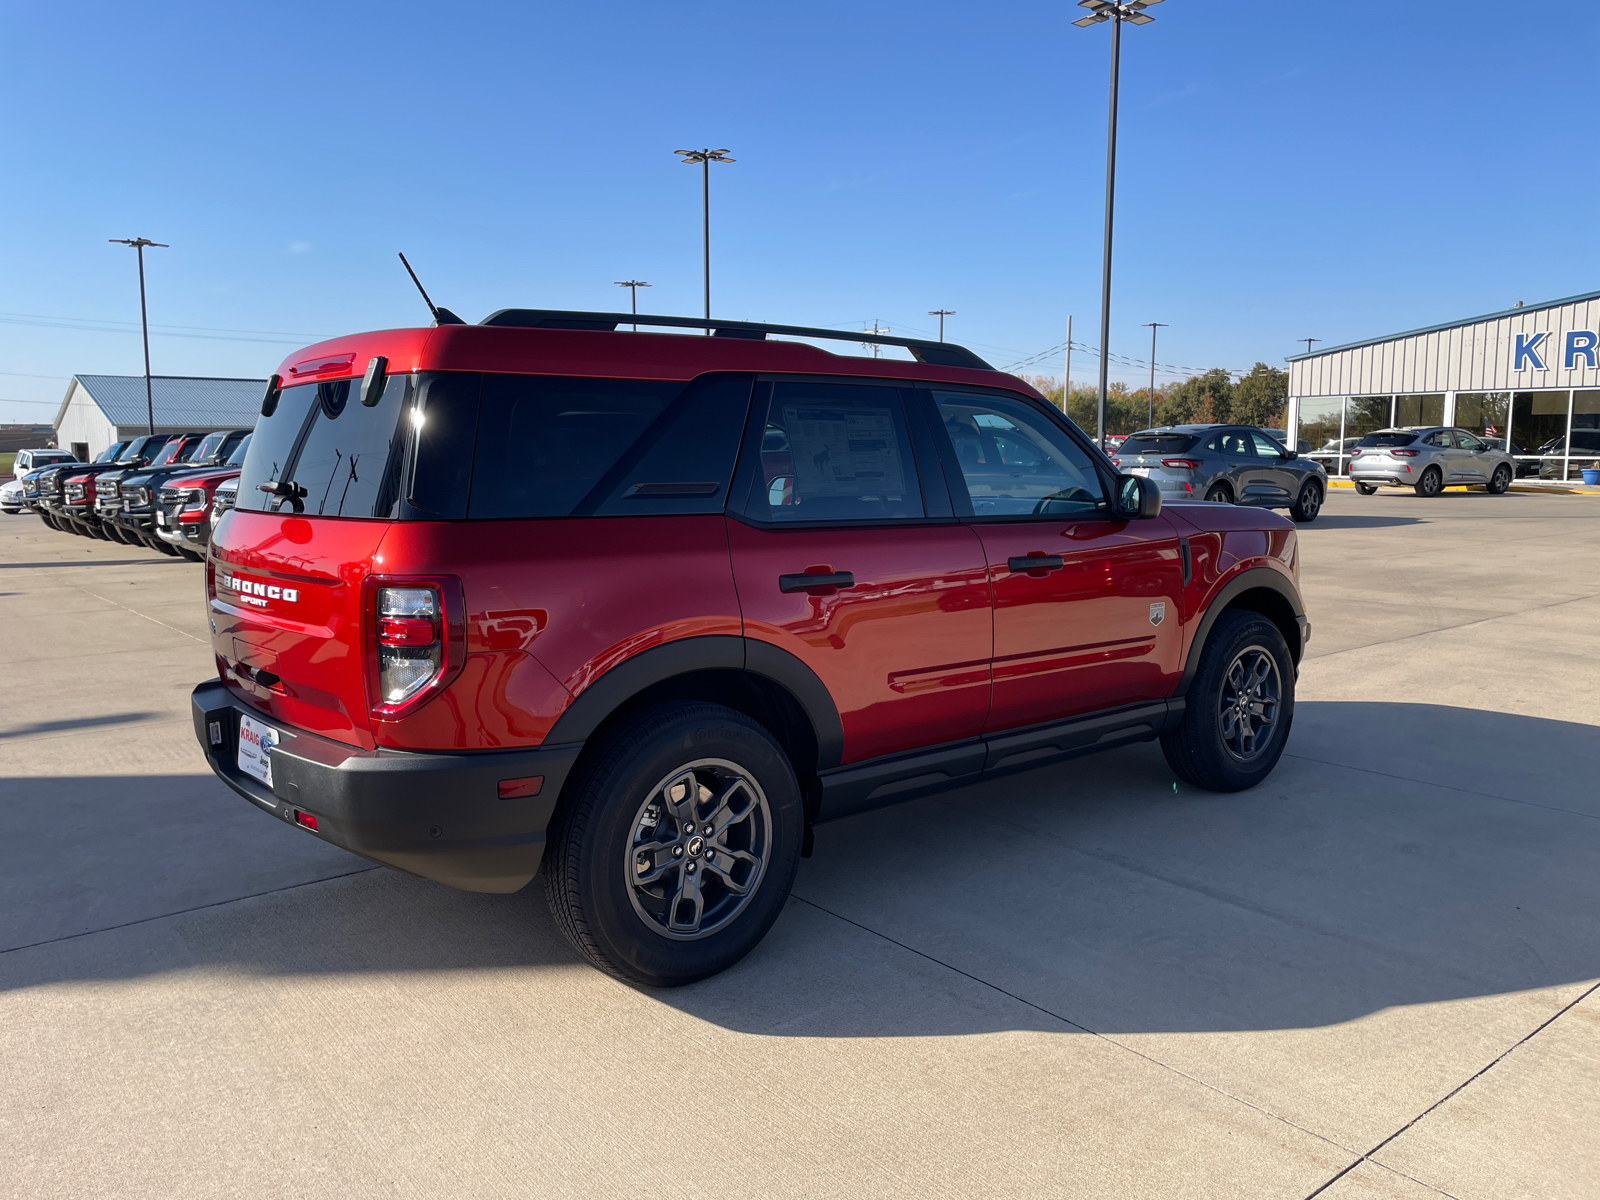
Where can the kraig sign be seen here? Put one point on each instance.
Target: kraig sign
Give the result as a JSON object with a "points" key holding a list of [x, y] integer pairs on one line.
{"points": [[1579, 343]]}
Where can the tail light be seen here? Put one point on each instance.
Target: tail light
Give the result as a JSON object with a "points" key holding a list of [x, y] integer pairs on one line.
{"points": [[410, 641], [418, 641], [1404, 453], [1185, 464]]}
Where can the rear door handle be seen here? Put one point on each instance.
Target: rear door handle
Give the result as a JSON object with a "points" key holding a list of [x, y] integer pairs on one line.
{"points": [[804, 583], [1037, 562]]}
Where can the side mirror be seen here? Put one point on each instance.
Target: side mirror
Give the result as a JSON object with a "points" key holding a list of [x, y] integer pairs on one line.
{"points": [[1288, 453], [1138, 498]]}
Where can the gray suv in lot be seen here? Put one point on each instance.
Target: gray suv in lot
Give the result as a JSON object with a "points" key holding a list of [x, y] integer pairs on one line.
{"points": [[1230, 464], [1429, 458]]}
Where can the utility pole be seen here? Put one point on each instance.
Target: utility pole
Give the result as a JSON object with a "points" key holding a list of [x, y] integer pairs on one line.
{"points": [[1308, 342], [873, 346], [633, 286], [942, 313], [705, 158], [1151, 395], [144, 322], [1066, 382], [1133, 12]]}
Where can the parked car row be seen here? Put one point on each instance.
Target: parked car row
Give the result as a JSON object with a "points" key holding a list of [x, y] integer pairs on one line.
{"points": [[156, 491]]}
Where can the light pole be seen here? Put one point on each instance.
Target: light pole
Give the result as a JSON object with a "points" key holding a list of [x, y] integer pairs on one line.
{"points": [[705, 158], [1133, 12], [633, 286], [1151, 395], [942, 313], [144, 322]]}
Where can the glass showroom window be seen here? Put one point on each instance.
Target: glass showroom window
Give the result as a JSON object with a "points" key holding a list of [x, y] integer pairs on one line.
{"points": [[1485, 414], [1539, 428], [1419, 410], [1321, 419], [1364, 415], [1585, 451]]}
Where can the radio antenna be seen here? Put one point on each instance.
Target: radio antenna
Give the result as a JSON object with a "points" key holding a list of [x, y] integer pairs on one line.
{"points": [[441, 316]]}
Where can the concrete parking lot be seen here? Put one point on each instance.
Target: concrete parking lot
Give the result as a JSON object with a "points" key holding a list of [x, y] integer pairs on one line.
{"points": [[1374, 976]]}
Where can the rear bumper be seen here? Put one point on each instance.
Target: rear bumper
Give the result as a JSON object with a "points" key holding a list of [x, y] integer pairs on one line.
{"points": [[438, 816]]}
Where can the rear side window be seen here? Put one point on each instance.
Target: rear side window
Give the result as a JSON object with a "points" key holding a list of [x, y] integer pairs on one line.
{"points": [[545, 442], [1400, 438], [1159, 443], [684, 461], [835, 452]]}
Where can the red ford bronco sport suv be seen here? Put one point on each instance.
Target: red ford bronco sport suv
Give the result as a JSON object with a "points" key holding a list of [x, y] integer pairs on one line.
{"points": [[645, 608]]}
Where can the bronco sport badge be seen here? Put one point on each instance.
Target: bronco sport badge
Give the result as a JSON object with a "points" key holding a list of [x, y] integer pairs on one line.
{"points": [[1158, 612]]}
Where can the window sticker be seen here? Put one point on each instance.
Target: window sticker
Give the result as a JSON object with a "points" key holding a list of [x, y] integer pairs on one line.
{"points": [[842, 451]]}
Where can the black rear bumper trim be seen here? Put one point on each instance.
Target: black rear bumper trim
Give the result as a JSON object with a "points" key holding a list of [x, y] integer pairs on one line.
{"points": [[435, 815]]}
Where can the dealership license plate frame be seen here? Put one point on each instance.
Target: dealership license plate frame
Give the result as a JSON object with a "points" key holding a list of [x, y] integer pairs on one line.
{"points": [[256, 739]]}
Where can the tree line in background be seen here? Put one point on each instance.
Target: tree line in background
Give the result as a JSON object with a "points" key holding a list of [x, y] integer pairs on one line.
{"points": [[1259, 398]]}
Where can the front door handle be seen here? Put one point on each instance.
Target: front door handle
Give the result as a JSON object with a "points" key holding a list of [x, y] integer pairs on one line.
{"points": [[1035, 562], [804, 583]]}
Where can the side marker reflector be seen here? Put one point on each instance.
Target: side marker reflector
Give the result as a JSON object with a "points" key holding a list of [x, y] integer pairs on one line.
{"points": [[304, 818], [516, 789]]}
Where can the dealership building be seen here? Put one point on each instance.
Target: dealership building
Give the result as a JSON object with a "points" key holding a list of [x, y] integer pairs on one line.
{"points": [[99, 410], [1530, 374]]}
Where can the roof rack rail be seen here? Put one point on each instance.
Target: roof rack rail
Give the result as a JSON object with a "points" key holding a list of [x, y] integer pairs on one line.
{"points": [[939, 354]]}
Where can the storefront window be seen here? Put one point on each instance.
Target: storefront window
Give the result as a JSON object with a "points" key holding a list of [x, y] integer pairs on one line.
{"points": [[1484, 413], [1419, 410], [1364, 415], [1539, 429], [1320, 419], [1585, 450]]}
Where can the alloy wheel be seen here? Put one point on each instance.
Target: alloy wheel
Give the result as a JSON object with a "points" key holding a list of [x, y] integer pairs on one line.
{"points": [[701, 843], [1249, 703]]}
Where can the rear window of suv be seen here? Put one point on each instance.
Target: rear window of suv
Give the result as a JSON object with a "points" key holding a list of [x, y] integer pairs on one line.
{"points": [[1389, 438], [1158, 443]]}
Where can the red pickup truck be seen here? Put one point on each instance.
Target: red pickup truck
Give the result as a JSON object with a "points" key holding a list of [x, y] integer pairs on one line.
{"points": [[645, 608]]}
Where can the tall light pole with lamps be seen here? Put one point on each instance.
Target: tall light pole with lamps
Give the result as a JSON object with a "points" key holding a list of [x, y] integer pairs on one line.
{"points": [[633, 286], [1151, 394], [144, 321], [705, 158], [1131, 11]]}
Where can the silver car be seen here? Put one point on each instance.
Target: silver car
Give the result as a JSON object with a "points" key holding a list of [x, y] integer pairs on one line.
{"points": [[1429, 458], [1233, 464]]}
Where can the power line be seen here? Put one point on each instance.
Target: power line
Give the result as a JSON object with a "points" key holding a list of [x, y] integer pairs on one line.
{"points": [[202, 332]]}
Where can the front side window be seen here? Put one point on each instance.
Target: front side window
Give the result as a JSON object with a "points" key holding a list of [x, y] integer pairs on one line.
{"points": [[1017, 462], [1266, 447], [1467, 442], [835, 452]]}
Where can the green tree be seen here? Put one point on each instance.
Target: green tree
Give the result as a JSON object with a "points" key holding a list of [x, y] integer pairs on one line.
{"points": [[1261, 398], [1201, 399]]}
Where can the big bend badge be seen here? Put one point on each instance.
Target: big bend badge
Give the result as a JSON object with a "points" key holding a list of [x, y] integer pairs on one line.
{"points": [[1158, 612]]}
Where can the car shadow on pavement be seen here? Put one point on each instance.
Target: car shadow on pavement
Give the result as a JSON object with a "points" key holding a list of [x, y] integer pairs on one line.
{"points": [[1329, 520], [1401, 854]]}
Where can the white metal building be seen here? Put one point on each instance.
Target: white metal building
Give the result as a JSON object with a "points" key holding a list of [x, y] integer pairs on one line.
{"points": [[101, 409], [1530, 373]]}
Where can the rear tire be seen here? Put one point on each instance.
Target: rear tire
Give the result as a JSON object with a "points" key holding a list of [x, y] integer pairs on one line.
{"points": [[1366, 489], [1500, 482], [1431, 483], [1239, 707], [1219, 493], [1309, 505], [639, 889]]}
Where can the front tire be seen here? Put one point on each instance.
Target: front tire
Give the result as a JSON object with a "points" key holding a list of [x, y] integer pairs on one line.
{"points": [[679, 846], [1239, 707], [1309, 505], [1500, 482], [1431, 483]]}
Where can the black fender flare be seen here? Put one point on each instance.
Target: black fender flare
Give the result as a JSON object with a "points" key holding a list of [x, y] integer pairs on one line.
{"points": [[1249, 580], [712, 652]]}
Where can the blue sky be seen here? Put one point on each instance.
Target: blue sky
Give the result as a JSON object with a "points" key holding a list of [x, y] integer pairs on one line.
{"points": [[1286, 170]]}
